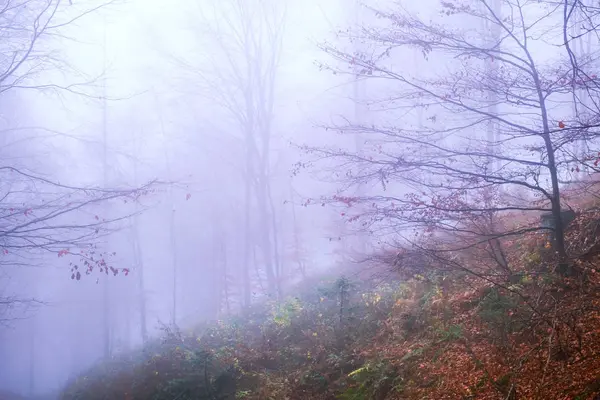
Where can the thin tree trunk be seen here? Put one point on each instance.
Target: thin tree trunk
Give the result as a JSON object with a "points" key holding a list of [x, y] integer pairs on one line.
{"points": [[225, 276], [257, 270], [105, 289], [172, 235], [139, 264], [32, 350], [138, 259], [247, 189], [298, 254], [173, 261], [216, 270], [266, 235], [276, 255]]}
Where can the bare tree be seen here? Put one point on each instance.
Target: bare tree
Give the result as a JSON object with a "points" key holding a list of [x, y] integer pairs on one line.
{"points": [[451, 180], [580, 36], [27, 29], [240, 79], [138, 258], [39, 215], [297, 253]]}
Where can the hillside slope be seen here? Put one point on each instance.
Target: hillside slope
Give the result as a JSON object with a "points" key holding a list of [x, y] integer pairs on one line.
{"points": [[439, 334]]}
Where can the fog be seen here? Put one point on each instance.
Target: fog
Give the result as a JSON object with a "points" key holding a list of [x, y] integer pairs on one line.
{"points": [[147, 92], [158, 163]]}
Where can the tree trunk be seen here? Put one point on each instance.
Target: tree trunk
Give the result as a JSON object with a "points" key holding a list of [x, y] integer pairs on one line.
{"points": [[297, 252], [32, 350], [225, 277], [279, 271], [559, 231], [247, 232], [261, 197], [138, 262], [138, 258], [105, 291], [173, 261]]}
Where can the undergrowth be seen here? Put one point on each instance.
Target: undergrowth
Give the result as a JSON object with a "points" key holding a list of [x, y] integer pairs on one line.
{"points": [[444, 334]]}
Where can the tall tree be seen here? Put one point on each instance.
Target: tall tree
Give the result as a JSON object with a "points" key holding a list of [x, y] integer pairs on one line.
{"points": [[38, 213], [106, 322], [240, 79], [444, 176], [138, 256], [27, 28], [579, 23]]}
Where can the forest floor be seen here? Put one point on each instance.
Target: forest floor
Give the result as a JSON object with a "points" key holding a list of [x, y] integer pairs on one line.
{"points": [[436, 335]]}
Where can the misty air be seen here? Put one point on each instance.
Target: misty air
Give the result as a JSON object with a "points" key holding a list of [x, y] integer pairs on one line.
{"points": [[299, 200]]}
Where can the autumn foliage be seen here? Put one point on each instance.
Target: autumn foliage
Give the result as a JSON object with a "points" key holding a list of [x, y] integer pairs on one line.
{"points": [[425, 330], [481, 299]]}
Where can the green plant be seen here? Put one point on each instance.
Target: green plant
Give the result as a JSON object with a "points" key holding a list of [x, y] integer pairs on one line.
{"points": [[373, 380], [243, 394], [282, 314]]}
